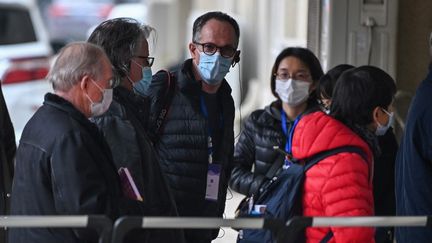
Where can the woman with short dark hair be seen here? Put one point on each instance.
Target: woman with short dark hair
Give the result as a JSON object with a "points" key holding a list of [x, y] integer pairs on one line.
{"points": [[293, 79], [341, 185], [384, 162]]}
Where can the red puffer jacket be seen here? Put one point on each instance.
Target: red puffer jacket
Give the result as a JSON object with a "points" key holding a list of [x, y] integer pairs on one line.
{"points": [[340, 185]]}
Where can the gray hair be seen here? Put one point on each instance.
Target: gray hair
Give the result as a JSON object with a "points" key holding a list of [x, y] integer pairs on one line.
{"points": [[73, 62], [120, 38]]}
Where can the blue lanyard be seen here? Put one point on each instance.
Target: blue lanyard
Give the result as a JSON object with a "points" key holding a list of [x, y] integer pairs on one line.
{"points": [[289, 135], [209, 138]]}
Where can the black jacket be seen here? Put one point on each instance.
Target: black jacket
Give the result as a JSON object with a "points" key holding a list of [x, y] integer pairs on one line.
{"points": [[64, 167], [262, 131], [384, 183], [7, 155], [123, 127], [182, 146], [255, 147]]}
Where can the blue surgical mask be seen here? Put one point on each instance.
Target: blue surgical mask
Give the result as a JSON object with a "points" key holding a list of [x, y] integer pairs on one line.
{"points": [[142, 85], [213, 68], [381, 130]]}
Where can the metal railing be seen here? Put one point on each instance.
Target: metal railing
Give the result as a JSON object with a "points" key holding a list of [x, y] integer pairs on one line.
{"points": [[125, 224], [285, 232], [101, 224]]}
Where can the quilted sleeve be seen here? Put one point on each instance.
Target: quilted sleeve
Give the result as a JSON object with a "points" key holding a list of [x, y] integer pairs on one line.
{"points": [[243, 180]]}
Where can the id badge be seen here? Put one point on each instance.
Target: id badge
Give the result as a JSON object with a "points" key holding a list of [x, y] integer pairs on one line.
{"points": [[213, 175]]}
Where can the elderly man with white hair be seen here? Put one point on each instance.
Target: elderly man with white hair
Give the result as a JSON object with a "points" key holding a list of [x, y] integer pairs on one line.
{"points": [[63, 164]]}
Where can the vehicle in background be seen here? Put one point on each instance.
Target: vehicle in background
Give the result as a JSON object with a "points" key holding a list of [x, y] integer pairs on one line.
{"points": [[24, 59], [69, 20]]}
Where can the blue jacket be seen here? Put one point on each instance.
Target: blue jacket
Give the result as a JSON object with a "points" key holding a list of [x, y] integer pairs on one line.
{"points": [[414, 165]]}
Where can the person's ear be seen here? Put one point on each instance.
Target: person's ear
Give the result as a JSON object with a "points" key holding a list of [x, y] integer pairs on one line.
{"points": [[84, 83], [376, 114], [192, 48]]}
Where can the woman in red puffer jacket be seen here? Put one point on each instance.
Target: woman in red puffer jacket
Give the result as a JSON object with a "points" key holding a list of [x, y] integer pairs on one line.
{"points": [[341, 185]]}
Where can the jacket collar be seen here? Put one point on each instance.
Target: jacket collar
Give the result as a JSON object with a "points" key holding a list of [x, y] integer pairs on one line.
{"points": [[61, 104], [274, 109], [64, 105]]}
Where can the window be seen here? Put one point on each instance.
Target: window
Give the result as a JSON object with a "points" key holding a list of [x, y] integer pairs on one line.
{"points": [[15, 26]]}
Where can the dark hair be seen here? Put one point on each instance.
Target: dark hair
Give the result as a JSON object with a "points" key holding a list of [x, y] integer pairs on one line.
{"points": [[328, 81], [308, 58], [358, 91], [202, 20], [119, 38]]}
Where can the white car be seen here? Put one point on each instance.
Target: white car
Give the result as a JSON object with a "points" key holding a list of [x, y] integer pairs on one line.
{"points": [[24, 60]]}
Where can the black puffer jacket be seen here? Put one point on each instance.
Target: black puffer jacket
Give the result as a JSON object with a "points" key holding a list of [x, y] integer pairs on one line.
{"points": [[64, 167], [262, 131], [183, 146], [123, 128]]}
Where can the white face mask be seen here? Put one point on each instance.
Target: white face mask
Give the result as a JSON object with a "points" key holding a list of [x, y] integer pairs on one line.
{"points": [[293, 92], [98, 108], [381, 130]]}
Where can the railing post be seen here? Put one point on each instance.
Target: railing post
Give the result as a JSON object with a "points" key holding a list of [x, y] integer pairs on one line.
{"points": [[123, 225]]}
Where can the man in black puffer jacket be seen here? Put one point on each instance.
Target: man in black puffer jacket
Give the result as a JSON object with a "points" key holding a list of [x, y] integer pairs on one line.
{"points": [[201, 114]]}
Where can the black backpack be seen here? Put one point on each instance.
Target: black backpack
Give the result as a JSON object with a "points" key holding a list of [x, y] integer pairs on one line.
{"points": [[282, 196]]}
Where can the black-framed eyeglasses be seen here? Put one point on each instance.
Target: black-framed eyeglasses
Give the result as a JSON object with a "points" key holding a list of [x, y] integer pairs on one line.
{"points": [[210, 49], [148, 61], [297, 76]]}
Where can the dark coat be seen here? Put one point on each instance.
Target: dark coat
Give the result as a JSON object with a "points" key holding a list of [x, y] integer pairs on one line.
{"points": [[384, 184], [7, 155], [123, 127], [64, 167], [182, 146], [414, 165], [262, 131], [255, 147]]}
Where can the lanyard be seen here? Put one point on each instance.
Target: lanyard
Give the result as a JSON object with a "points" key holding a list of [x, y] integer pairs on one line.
{"points": [[289, 135], [210, 149]]}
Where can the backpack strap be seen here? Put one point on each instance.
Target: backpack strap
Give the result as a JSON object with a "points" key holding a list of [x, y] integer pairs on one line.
{"points": [[311, 161], [277, 164], [327, 237], [166, 102]]}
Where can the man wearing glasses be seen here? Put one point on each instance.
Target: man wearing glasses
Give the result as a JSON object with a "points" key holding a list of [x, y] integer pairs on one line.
{"points": [[195, 139], [125, 124]]}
